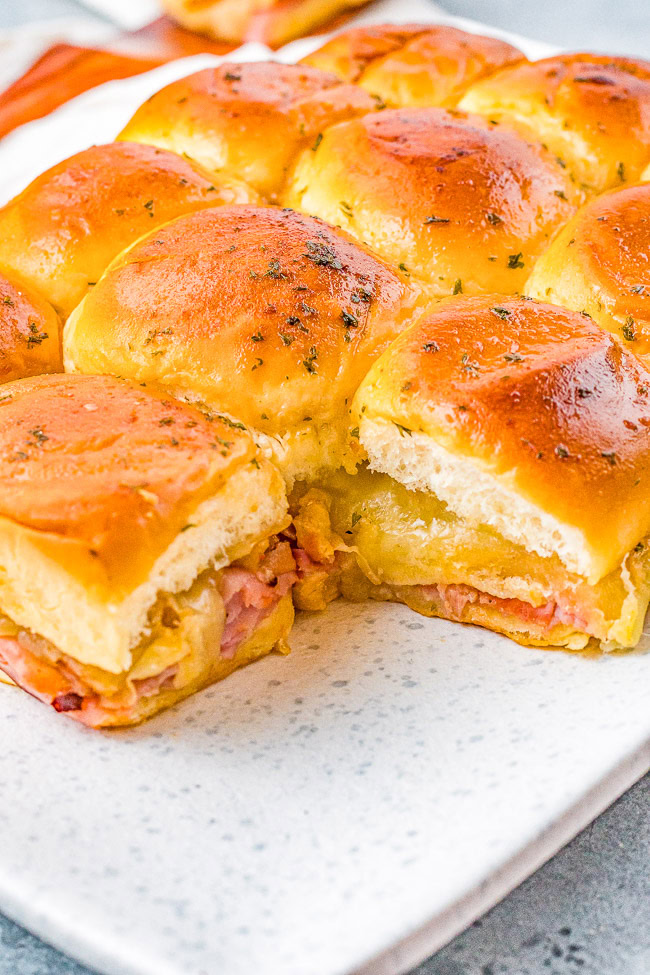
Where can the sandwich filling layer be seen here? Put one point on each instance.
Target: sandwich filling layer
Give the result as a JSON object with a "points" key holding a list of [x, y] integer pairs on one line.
{"points": [[368, 536], [226, 618]]}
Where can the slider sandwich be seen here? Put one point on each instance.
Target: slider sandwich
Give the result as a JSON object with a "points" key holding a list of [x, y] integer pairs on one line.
{"points": [[139, 554], [506, 475]]}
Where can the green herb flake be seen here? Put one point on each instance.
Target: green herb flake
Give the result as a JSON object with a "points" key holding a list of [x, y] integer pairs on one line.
{"points": [[458, 287], [561, 451], [434, 219], [629, 329], [310, 362], [258, 337], [515, 261], [431, 347], [609, 456], [319, 139], [500, 312], [322, 255], [493, 218]]}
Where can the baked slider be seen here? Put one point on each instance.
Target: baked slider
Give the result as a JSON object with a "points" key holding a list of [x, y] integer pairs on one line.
{"points": [[591, 110], [247, 120], [272, 22], [512, 458], [413, 64], [451, 199], [138, 554], [598, 264], [266, 314], [30, 332], [62, 231]]}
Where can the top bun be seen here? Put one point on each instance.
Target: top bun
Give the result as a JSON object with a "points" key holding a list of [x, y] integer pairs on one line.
{"points": [[591, 110], [452, 199], [247, 120], [62, 231], [598, 264], [522, 416], [413, 64], [30, 332], [272, 316]]}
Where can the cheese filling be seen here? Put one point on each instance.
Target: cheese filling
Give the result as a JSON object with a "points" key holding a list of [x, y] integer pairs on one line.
{"points": [[407, 545], [193, 638]]}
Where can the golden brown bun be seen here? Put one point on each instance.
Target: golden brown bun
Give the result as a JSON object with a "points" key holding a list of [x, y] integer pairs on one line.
{"points": [[63, 230], [539, 399], [106, 470], [264, 313], [247, 120], [591, 110], [413, 64], [598, 263], [30, 339], [272, 22], [458, 202]]}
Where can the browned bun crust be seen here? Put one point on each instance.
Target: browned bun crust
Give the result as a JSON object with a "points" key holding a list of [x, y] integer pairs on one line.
{"points": [[458, 202], [247, 120], [105, 467], [266, 313], [30, 332], [64, 229], [591, 110], [598, 263], [536, 395], [413, 64]]}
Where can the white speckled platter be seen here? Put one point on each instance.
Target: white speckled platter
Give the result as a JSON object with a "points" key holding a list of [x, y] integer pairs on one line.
{"points": [[344, 810]]}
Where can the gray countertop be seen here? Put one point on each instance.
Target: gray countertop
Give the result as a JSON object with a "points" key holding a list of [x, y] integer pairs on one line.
{"points": [[587, 910]]}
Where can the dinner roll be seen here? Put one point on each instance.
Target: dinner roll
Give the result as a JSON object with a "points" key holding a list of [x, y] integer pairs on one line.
{"points": [[521, 416], [272, 22], [264, 313], [30, 340], [122, 512], [247, 120], [413, 64], [63, 230], [591, 110], [450, 198], [598, 264]]}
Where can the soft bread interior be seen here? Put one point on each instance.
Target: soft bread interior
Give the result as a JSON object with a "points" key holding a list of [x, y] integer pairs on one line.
{"points": [[86, 621], [421, 463]]}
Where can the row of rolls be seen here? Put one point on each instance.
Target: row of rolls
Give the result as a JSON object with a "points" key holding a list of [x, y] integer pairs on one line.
{"points": [[372, 325]]}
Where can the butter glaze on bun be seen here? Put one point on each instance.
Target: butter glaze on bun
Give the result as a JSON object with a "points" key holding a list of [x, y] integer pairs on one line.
{"points": [[591, 110], [521, 416], [267, 314], [30, 332], [453, 200], [247, 120], [413, 64], [599, 264], [62, 231]]}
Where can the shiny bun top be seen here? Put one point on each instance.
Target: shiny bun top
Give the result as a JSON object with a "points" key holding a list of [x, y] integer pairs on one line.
{"points": [[591, 110], [30, 332], [268, 314], [599, 263], [61, 232], [104, 467], [413, 64], [247, 120], [452, 199]]}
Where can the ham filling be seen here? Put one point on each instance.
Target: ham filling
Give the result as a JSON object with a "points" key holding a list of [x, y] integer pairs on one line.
{"points": [[249, 595]]}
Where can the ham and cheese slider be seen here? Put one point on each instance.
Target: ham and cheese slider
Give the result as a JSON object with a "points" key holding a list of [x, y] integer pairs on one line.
{"points": [[62, 231], [591, 110], [247, 121], [413, 64], [139, 559], [30, 332], [508, 474], [266, 314], [451, 199], [599, 263]]}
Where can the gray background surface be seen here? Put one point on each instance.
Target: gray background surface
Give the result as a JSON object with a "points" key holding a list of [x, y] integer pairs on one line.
{"points": [[587, 912]]}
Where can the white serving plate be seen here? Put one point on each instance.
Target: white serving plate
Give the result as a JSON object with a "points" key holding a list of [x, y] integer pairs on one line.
{"points": [[347, 809]]}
